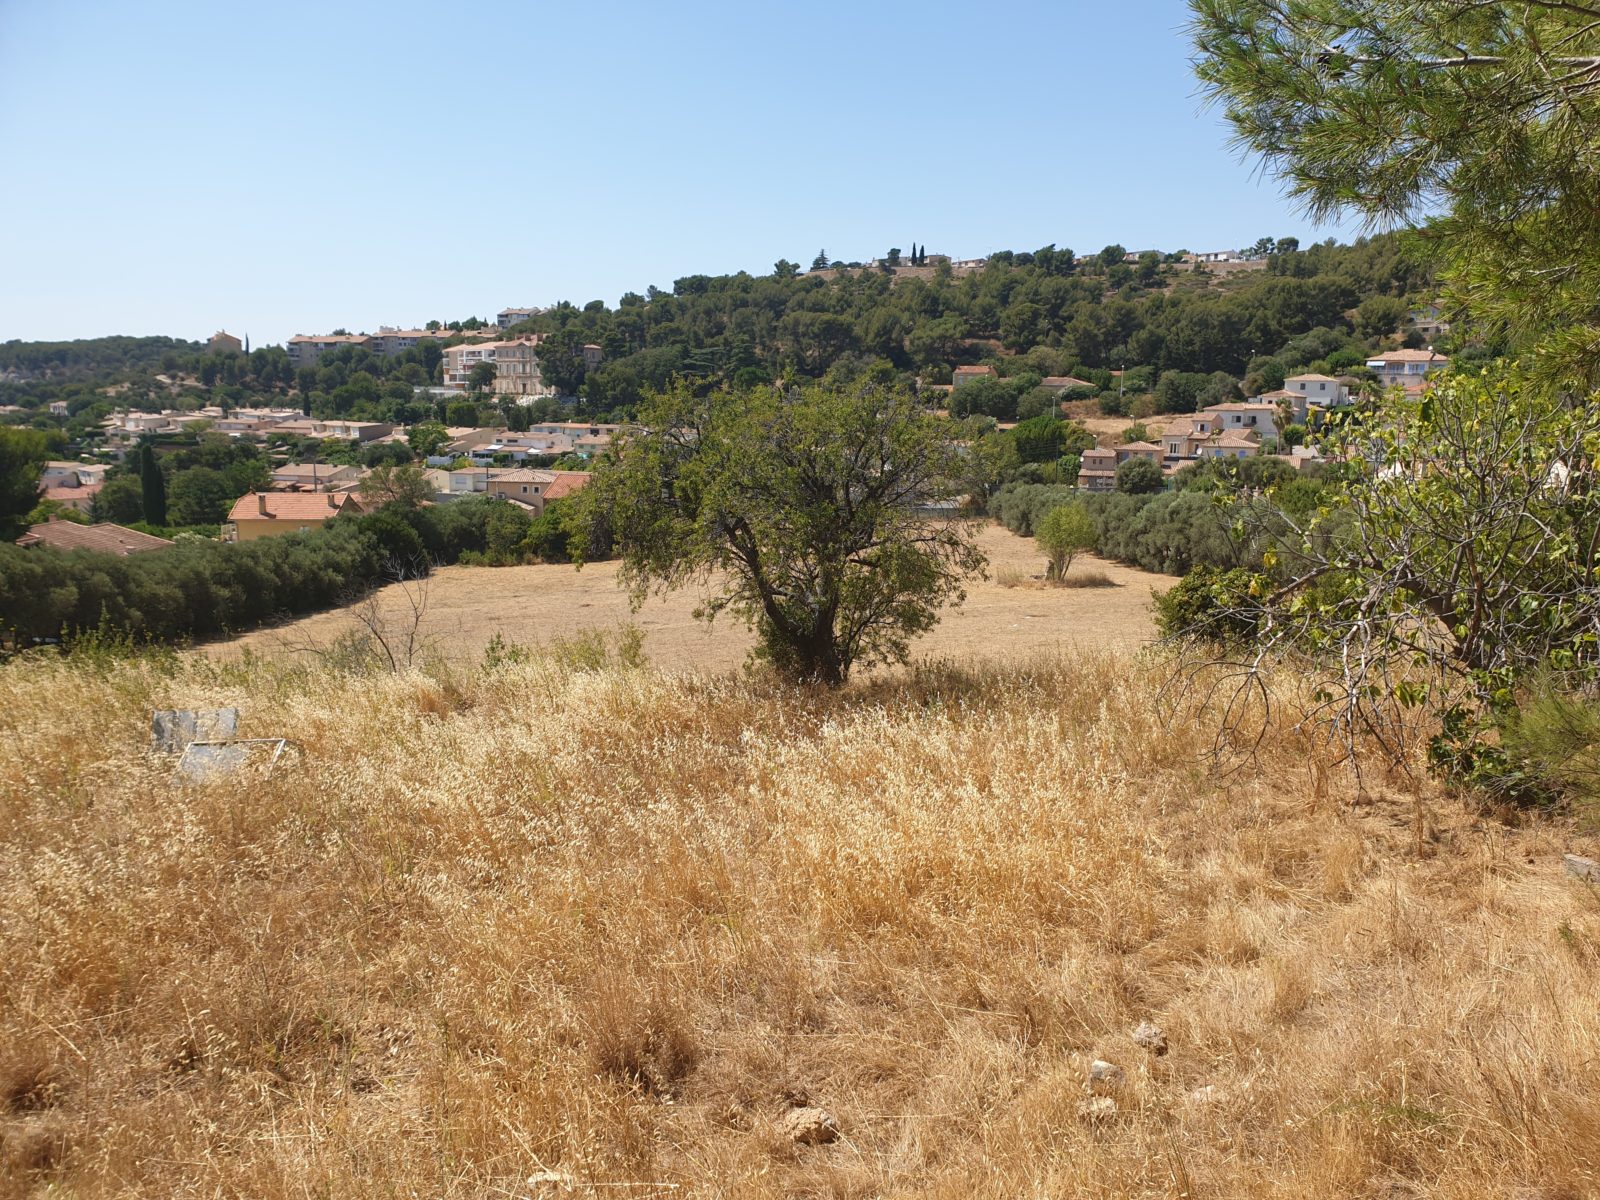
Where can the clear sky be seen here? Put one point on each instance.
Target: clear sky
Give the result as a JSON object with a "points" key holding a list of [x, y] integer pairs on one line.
{"points": [[289, 167]]}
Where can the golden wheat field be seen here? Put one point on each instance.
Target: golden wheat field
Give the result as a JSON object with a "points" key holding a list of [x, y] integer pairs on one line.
{"points": [[571, 927]]}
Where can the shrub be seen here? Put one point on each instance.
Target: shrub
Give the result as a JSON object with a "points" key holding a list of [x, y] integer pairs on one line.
{"points": [[1063, 533], [1209, 605]]}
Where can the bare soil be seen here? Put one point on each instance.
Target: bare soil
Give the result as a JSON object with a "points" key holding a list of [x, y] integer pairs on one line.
{"points": [[467, 606]]}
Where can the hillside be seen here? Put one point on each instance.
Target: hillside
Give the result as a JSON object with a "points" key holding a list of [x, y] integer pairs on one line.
{"points": [[544, 930]]}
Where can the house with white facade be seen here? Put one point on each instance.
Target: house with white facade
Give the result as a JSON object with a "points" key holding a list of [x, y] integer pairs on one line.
{"points": [[1316, 391], [1408, 369]]}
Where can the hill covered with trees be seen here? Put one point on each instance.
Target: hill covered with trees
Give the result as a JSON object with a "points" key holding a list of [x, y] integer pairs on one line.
{"points": [[1040, 313]]}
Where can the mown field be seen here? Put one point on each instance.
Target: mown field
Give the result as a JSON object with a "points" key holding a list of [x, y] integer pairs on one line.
{"points": [[569, 928], [465, 607]]}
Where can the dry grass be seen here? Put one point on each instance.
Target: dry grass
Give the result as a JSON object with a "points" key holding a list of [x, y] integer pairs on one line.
{"points": [[467, 606], [610, 924], [1084, 577]]}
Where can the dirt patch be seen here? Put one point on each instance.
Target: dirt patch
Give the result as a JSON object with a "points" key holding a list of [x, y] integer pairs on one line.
{"points": [[467, 606]]}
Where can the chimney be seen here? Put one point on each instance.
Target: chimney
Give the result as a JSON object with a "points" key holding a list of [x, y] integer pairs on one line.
{"points": [[261, 503], [333, 501]]}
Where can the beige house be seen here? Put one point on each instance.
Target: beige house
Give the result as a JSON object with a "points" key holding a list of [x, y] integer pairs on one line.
{"points": [[1129, 450], [1232, 443], [1180, 440], [344, 431], [1203, 435], [963, 375], [1097, 470], [460, 359], [452, 484], [305, 349], [268, 514], [223, 342], [507, 317], [314, 477], [522, 484]]}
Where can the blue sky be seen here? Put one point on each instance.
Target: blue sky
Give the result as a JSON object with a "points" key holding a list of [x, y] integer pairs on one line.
{"points": [[292, 167]]}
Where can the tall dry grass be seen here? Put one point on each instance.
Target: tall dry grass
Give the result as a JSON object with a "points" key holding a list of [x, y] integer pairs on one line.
{"points": [[604, 927]]}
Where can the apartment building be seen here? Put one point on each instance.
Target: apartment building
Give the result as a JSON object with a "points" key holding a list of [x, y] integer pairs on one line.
{"points": [[460, 359], [517, 369], [305, 349]]}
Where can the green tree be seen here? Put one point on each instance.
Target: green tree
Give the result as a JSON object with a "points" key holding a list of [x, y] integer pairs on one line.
{"points": [[153, 487], [1179, 391], [200, 496], [23, 453], [1139, 477], [561, 363], [1379, 316], [1063, 533], [1039, 439], [427, 438], [403, 486], [802, 507], [1486, 114], [481, 377], [120, 501]]}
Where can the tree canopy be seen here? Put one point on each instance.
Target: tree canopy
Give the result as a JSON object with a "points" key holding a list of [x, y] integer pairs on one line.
{"points": [[803, 510], [1475, 120]]}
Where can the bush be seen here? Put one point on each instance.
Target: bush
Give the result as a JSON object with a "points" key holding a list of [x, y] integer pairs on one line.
{"points": [[1140, 476], [1210, 605], [202, 588]]}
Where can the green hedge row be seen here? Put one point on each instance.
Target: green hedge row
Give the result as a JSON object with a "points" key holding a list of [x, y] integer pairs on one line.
{"points": [[201, 589]]}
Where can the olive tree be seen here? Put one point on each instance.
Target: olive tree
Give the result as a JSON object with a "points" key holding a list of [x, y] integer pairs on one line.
{"points": [[805, 512], [1063, 533]]}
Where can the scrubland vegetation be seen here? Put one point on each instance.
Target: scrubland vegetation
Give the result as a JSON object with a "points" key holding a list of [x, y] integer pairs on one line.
{"points": [[572, 920]]}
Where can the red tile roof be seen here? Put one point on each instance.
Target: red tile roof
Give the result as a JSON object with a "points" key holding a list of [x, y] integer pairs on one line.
{"points": [[104, 538], [566, 483], [290, 506]]}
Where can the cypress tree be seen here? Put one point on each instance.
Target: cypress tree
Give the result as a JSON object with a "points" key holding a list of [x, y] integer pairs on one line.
{"points": [[154, 488]]}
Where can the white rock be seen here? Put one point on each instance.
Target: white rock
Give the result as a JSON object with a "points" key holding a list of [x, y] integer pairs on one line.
{"points": [[810, 1126], [1149, 1035], [1106, 1077], [1097, 1108]]}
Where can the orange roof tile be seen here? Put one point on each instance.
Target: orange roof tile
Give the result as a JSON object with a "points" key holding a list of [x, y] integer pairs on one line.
{"points": [[290, 506]]}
